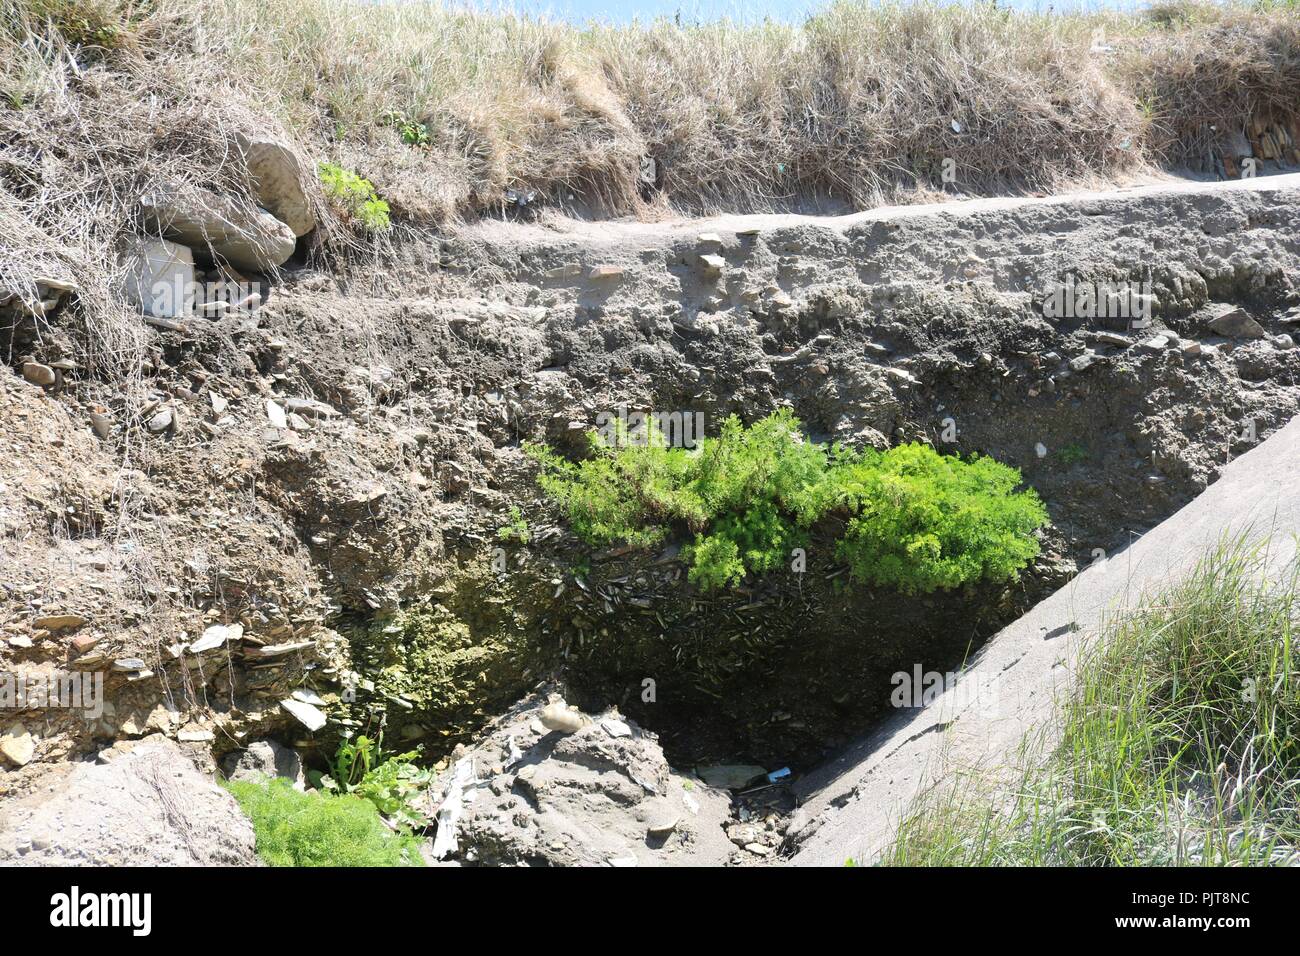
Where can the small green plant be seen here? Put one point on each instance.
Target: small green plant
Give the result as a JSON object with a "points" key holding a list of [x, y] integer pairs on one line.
{"points": [[356, 197], [413, 132], [1071, 454], [914, 519], [516, 529], [393, 784], [320, 829], [923, 521]]}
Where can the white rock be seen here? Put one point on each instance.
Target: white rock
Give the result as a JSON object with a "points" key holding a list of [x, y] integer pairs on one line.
{"points": [[212, 638], [557, 716], [38, 374], [101, 423], [308, 715], [275, 414], [17, 745], [616, 728], [159, 278], [249, 239], [276, 177], [1040, 450], [161, 420]]}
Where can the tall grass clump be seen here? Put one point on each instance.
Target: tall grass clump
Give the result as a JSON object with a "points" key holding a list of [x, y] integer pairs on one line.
{"points": [[907, 518], [1177, 747]]}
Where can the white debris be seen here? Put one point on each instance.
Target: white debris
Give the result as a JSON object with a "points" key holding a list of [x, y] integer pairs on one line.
{"points": [[616, 728], [309, 716], [212, 638], [275, 414], [444, 841]]}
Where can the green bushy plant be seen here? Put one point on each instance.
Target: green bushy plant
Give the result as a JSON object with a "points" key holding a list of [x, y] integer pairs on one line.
{"points": [[915, 520], [320, 829], [393, 783], [356, 197], [923, 521], [516, 529]]}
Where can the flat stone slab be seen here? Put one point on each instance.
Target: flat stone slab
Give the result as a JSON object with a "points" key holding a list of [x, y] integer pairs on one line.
{"points": [[850, 807]]}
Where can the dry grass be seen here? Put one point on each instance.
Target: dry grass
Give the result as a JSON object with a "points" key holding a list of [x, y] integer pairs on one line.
{"points": [[102, 99]]}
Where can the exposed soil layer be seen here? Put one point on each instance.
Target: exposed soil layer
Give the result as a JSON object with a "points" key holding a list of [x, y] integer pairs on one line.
{"points": [[376, 514]]}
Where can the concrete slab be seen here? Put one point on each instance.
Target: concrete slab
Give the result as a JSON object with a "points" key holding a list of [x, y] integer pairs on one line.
{"points": [[853, 803]]}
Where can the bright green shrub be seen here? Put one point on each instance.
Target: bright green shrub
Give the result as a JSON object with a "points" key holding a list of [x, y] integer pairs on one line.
{"points": [[916, 520], [320, 829], [355, 196], [923, 521]]}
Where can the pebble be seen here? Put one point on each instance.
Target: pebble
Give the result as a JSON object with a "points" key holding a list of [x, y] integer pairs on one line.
{"points": [[161, 421], [712, 262], [212, 638], [59, 622], [84, 642], [38, 374], [101, 423], [17, 745], [1113, 338], [308, 715], [663, 829], [557, 716], [616, 728]]}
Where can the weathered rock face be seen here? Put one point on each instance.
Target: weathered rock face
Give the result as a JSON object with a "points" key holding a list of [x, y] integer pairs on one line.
{"points": [[601, 796], [247, 239], [276, 177], [148, 806], [265, 759]]}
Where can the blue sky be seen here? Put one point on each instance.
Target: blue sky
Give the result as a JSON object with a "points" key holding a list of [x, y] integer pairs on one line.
{"points": [[622, 11]]}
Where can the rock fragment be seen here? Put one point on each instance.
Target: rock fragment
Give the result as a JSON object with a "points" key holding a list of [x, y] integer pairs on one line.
{"points": [[1233, 322], [17, 745]]}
